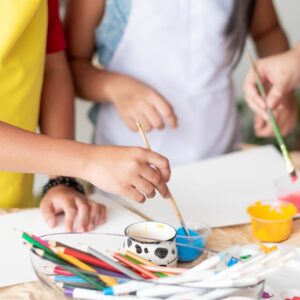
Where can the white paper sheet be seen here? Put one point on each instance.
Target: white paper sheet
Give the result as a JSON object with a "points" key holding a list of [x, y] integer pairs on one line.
{"points": [[218, 191], [15, 266]]}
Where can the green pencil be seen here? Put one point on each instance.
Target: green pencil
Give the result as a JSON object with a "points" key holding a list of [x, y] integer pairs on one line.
{"points": [[34, 242], [289, 165]]}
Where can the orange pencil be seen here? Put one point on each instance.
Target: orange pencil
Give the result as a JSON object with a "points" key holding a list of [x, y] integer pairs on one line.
{"points": [[132, 265]]}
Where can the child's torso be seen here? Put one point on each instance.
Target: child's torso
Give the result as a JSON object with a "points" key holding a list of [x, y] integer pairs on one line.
{"points": [[178, 47], [22, 55]]}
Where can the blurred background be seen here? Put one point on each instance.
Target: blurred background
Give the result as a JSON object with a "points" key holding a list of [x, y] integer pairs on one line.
{"points": [[288, 12]]}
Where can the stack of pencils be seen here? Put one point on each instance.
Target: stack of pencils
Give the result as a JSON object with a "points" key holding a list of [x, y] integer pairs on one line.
{"points": [[86, 270], [86, 273]]}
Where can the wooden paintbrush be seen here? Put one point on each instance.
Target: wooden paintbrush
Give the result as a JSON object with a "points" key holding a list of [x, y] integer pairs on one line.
{"points": [[171, 198], [289, 165]]}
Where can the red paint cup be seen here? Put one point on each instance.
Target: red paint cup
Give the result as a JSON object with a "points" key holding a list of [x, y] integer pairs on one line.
{"points": [[288, 191]]}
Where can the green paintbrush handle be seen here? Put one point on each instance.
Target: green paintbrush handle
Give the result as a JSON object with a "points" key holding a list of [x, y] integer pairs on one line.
{"points": [[277, 132], [276, 128]]}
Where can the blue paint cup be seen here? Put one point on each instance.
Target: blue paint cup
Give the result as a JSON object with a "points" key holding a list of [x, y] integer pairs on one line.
{"points": [[191, 247]]}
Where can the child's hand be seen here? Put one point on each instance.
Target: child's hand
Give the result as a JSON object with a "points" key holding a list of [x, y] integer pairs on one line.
{"points": [[286, 117], [135, 101], [127, 171], [62, 199], [280, 75]]}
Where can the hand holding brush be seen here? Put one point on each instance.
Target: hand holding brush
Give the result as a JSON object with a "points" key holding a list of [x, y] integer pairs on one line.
{"points": [[289, 165]]}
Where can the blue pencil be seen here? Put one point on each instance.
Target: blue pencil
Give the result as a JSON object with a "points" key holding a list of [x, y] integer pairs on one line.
{"points": [[69, 279]]}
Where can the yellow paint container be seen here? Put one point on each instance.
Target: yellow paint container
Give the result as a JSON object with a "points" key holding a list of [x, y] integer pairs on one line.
{"points": [[272, 222]]}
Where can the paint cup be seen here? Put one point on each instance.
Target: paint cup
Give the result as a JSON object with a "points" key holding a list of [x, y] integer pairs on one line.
{"points": [[290, 295], [272, 222], [153, 241], [191, 247], [288, 190]]}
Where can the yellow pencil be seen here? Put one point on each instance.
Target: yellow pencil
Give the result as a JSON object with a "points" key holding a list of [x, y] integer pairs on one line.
{"points": [[81, 265]]}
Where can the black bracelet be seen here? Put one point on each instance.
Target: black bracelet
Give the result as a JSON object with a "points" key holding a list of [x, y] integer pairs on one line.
{"points": [[62, 180]]}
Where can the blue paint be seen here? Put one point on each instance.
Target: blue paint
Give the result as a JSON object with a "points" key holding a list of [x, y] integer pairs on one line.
{"points": [[232, 261], [186, 253]]}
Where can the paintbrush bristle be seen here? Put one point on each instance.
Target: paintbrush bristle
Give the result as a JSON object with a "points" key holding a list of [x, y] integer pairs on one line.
{"points": [[294, 175]]}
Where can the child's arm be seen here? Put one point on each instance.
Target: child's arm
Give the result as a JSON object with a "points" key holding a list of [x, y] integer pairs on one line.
{"points": [[269, 39], [57, 103], [266, 31], [127, 171], [57, 120], [132, 99]]}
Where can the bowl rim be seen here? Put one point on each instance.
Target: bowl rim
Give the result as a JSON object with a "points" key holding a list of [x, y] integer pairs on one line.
{"points": [[151, 241]]}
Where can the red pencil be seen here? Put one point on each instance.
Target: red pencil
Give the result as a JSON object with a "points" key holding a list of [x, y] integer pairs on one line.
{"points": [[87, 258], [60, 271], [132, 265]]}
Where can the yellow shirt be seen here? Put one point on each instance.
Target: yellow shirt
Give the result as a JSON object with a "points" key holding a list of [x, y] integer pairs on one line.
{"points": [[23, 25]]}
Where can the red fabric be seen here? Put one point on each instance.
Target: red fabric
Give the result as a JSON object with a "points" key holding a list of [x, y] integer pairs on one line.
{"points": [[55, 38]]}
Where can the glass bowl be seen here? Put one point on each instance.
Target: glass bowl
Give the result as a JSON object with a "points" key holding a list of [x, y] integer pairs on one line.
{"points": [[103, 243]]}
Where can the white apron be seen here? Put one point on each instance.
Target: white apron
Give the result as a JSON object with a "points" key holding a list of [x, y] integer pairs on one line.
{"points": [[178, 48]]}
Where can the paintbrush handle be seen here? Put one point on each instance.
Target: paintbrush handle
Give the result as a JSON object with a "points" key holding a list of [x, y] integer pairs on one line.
{"points": [[289, 165], [276, 129], [171, 198]]}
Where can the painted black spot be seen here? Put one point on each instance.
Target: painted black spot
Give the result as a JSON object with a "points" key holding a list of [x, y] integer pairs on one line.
{"points": [[173, 251], [146, 250], [138, 249], [161, 252], [129, 242]]}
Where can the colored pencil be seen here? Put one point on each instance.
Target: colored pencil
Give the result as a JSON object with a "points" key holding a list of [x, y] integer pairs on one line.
{"points": [[82, 256], [65, 285], [289, 165], [171, 198], [58, 260], [60, 271], [31, 240], [81, 265], [160, 275], [165, 270], [147, 274], [40, 240], [68, 279], [111, 262]]}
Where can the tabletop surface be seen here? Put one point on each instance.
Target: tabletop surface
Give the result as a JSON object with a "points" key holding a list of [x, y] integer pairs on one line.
{"points": [[219, 239]]}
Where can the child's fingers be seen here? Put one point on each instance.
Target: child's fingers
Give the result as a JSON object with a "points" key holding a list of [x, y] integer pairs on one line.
{"points": [[144, 122], [259, 123], [144, 186], [165, 110], [161, 163], [258, 110], [97, 215], [70, 210], [134, 194], [154, 118], [251, 91], [83, 211], [131, 124], [102, 215], [48, 213], [172, 121], [154, 176], [274, 96]]}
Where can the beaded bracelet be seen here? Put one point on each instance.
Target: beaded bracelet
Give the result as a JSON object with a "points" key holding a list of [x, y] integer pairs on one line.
{"points": [[62, 180]]}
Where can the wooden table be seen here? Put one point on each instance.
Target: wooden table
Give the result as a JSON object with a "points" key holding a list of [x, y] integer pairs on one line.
{"points": [[219, 239]]}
